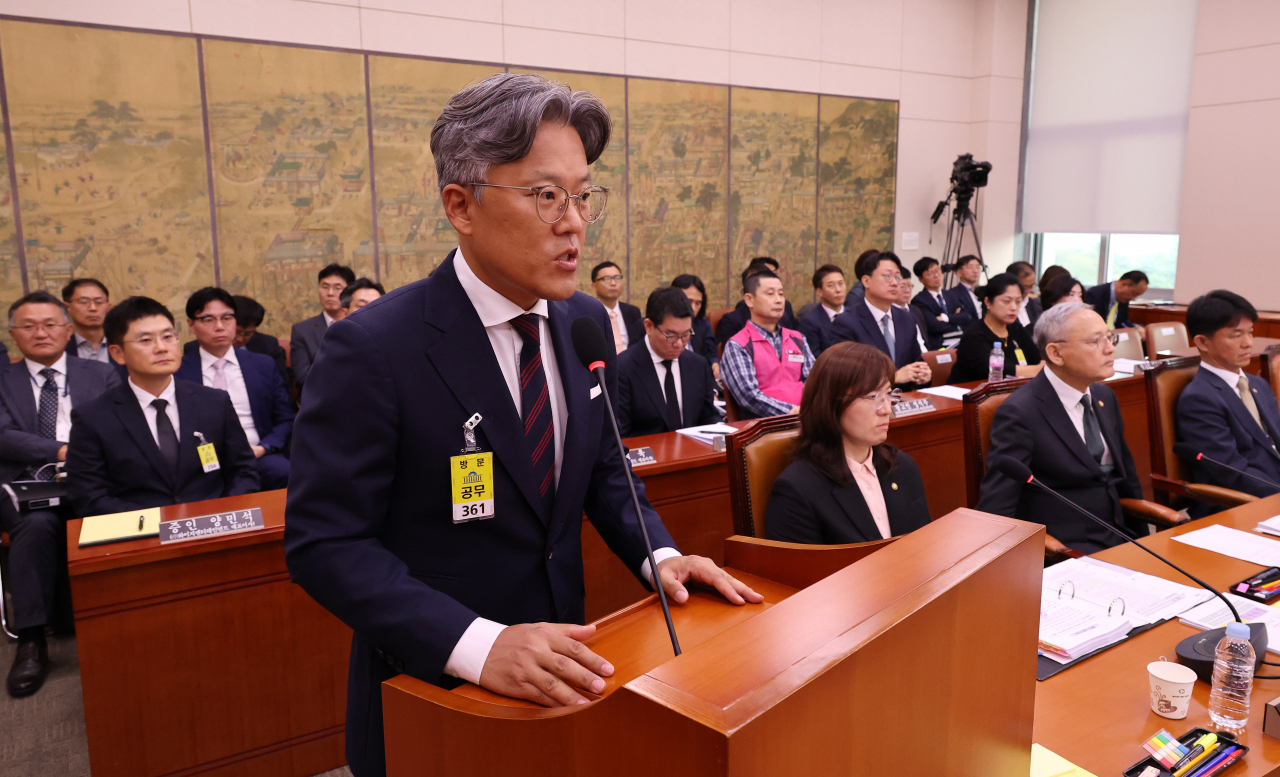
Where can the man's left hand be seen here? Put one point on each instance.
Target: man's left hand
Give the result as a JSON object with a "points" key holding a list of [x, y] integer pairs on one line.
{"points": [[678, 570]]}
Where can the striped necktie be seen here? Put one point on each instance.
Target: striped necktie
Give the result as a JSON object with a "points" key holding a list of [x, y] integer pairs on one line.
{"points": [[535, 410]]}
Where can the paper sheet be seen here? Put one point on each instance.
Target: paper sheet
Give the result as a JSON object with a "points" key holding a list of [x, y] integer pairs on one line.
{"points": [[950, 392], [1214, 614], [1046, 763], [1126, 365], [704, 433], [1243, 545], [1142, 598]]}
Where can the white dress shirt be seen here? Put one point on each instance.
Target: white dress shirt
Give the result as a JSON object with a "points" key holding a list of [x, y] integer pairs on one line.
{"points": [[328, 319], [919, 334], [1070, 399], [977, 303], [85, 349], [831, 314], [1232, 379], [496, 311], [937, 297], [235, 387], [63, 430], [662, 374], [616, 310], [1024, 317], [145, 398], [879, 316]]}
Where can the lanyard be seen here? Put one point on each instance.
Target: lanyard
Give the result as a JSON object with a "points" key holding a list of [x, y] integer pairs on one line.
{"points": [[66, 383]]}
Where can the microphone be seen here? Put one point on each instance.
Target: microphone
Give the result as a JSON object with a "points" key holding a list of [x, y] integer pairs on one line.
{"points": [[592, 350], [1185, 450], [1196, 652]]}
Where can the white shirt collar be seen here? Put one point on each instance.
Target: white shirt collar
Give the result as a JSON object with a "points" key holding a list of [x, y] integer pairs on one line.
{"points": [[146, 397], [654, 354], [1232, 379], [831, 312], [207, 359], [614, 308], [328, 319], [876, 312], [60, 367], [969, 287], [1069, 396], [492, 307]]}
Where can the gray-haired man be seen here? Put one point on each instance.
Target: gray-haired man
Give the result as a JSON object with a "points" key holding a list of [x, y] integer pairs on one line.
{"points": [[443, 584], [1066, 426]]}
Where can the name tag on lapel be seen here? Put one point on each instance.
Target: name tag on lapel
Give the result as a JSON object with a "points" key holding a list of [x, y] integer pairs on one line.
{"points": [[796, 357], [595, 391], [472, 476], [208, 458]]}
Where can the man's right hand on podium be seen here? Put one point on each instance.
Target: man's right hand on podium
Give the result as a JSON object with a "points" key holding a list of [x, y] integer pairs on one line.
{"points": [[544, 663]]}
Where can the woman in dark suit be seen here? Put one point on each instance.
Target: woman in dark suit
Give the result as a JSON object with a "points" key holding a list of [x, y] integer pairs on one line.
{"points": [[844, 483], [1001, 301], [704, 340]]}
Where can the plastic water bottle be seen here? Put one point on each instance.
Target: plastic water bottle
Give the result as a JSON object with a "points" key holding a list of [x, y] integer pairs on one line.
{"points": [[1233, 666], [995, 364]]}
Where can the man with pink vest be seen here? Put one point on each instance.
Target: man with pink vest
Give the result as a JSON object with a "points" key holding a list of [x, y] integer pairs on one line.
{"points": [[765, 364]]}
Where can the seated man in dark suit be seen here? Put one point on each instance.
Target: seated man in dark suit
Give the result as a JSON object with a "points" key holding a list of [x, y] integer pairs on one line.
{"points": [[627, 326], [249, 315], [88, 301], [1066, 426], [1025, 272], [732, 322], [305, 339], [815, 324], [940, 329], [878, 322], [765, 365], [250, 379], [903, 302], [36, 397], [1229, 415], [963, 297], [359, 294], [1111, 300], [135, 446], [663, 386]]}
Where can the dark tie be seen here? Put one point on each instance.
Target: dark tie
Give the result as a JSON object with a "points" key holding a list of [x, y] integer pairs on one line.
{"points": [[535, 409], [673, 401], [166, 436], [886, 326], [47, 416], [1092, 436]]}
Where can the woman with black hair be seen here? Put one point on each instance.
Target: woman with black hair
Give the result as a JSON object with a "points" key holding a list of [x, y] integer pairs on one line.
{"points": [[1001, 300], [704, 340]]}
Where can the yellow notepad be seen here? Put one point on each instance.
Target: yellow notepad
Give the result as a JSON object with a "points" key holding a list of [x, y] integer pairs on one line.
{"points": [[118, 527], [1046, 763]]}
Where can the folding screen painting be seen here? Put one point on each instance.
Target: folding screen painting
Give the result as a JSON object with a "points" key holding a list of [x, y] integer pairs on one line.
{"points": [[859, 153]]}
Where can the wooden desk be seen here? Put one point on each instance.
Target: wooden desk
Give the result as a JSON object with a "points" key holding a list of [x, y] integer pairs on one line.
{"points": [[202, 657], [1268, 324], [1098, 713]]}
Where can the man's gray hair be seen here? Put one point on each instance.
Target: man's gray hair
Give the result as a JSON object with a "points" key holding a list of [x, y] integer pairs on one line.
{"points": [[494, 121], [1051, 327]]}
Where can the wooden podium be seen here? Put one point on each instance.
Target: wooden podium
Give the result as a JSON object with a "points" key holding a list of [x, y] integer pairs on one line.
{"points": [[917, 659]]}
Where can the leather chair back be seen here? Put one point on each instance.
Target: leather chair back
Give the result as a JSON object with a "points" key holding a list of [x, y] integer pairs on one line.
{"points": [[1166, 336], [757, 455], [714, 317], [980, 406], [940, 364], [1164, 385], [1129, 347]]}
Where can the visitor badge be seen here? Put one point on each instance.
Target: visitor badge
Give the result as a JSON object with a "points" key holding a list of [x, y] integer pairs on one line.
{"points": [[208, 456], [796, 357], [472, 475], [1021, 359]]}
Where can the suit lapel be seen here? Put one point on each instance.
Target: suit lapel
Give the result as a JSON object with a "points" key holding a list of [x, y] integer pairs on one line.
{"points": [[1233, 401], [691, 389], [653, 386], [1108, 428], [872, 333], [1053, 411], [83, 386], [190, 421], [17, 390], [850, 499], [255, 385], [464, 358], [576, 383], [135, 423]]}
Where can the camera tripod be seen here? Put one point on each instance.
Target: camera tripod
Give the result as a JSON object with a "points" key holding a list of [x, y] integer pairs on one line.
{"points": [[961, 217]]}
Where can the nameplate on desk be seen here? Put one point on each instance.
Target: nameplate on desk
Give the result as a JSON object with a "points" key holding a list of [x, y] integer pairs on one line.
{"points": [[912, 407], [638, 456], [232, 522]]}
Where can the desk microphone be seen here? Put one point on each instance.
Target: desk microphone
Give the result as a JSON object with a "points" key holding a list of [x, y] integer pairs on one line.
{"points": [[1196, 652], [592, 350], [1185, 450]]}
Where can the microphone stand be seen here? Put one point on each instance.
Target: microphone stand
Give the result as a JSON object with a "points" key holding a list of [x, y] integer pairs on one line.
{"points": [[1267, 483]]}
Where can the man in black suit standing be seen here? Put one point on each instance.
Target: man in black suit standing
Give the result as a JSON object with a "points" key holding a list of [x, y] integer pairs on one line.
{"points": [[36, 397], [1066, 426], [663, 386], [878, 322], [1111, 300], [305, 339], [136, 445], [626, 327], [433, 582], [815, 325]]}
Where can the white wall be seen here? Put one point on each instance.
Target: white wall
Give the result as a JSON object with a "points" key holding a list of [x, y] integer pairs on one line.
{"points": [[956, 66], [1231, 178]]}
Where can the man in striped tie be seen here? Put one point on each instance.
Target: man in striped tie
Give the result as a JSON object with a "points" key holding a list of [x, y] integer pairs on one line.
{"points": [[433, 585]]}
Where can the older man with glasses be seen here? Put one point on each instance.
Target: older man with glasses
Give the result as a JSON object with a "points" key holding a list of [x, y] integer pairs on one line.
{"points": [[473, 368], [36, 397], [1065, 424], [664, 386]]}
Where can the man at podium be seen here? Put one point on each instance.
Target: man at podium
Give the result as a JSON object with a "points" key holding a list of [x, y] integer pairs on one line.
{"points": [[472, 370]]}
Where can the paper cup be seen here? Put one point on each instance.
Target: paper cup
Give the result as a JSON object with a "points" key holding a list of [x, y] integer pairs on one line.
{"points": [[1171, 686]]}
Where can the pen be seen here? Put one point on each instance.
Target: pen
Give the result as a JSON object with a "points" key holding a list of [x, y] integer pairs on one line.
{"points": [[1223, 764], [1265, 576], [1197, 749], [1201, 758], [1212, 763]]}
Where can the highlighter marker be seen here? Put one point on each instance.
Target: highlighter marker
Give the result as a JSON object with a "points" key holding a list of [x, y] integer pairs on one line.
{"points": [[1209, 751], [1223, 764], [1197, 749], [1209, 765]]}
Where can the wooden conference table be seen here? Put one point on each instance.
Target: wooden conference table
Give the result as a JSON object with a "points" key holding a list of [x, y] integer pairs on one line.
{"points": [[1098, 712]]}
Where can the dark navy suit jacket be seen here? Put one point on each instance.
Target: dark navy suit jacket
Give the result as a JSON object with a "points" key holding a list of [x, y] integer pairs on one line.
{"points": [[642, 406], [268, 401], [1212, 417], [1100, 297], [114, 464], [935, 330], [815, 325], [959, 297], [369, 530], [856, 324]]}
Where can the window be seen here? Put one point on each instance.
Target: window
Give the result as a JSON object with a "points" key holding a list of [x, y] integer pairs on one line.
{"points": [[1100, 258]]}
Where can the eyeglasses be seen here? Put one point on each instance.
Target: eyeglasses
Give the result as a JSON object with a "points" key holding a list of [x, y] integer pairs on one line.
{"points": [[89, 301], [610, 278], [29, 329], [1096, 342], [552, 201], [228, 319], [890, 277], [682, 337], [168, 337], [893, 397]]}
